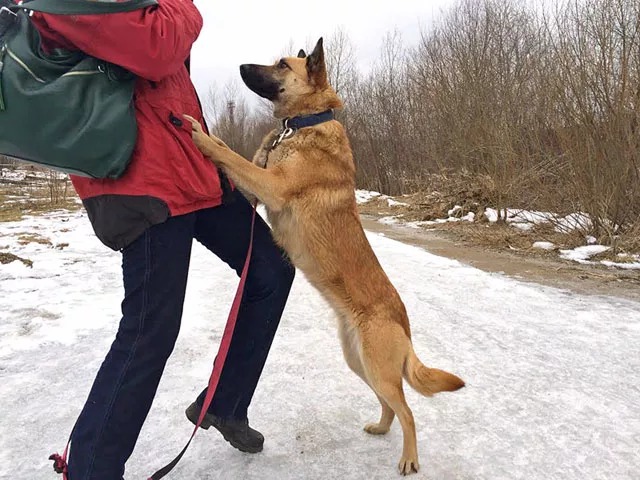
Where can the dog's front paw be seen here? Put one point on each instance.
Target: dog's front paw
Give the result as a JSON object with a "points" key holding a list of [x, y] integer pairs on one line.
{"points": [[407, 466], [210, 146]]}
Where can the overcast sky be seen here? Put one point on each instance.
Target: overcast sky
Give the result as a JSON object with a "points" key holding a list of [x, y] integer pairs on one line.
{"points": [[252, 31]]}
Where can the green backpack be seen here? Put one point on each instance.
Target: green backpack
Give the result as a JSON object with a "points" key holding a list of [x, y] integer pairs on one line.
{"points": [[64, 110]]}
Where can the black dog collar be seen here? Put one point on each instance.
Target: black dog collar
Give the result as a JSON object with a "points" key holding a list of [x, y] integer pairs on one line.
{"points": [[291, 125], [303, 121]]}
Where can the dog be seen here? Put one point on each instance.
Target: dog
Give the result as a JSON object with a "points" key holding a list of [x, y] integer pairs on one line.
{"points": [[304, 174]]}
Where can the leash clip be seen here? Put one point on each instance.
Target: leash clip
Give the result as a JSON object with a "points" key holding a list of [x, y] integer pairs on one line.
{"points": [[286, 133]]}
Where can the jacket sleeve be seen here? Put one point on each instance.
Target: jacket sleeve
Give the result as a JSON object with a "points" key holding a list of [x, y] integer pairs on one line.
{"points": [[153, 42]]}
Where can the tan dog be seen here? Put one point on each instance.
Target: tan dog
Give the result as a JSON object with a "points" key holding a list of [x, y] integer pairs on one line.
{"points": [[307, 186]]}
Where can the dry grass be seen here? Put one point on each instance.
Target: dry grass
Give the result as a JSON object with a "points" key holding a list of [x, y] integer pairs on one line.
{"points": [[546, 232], [14, 211], [437, 195], [504, 236], [18, 199], [421, 207], [630, 241], [612, 256], [27, 238], [6, 258], [495, 236]]}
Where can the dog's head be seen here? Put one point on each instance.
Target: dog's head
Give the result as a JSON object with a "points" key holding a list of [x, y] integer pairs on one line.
{"points": [[295, 85]]}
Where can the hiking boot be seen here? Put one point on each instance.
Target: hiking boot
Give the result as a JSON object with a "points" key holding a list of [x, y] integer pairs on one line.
{"points": [[235, 431]]}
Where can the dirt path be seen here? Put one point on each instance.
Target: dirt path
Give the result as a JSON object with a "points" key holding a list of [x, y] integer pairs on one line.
{"points": [[558, 273]]}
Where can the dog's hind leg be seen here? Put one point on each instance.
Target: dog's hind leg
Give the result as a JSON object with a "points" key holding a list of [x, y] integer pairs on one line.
{"points": [[383, 363], [351, 350], [393, 394], [386, 418]]}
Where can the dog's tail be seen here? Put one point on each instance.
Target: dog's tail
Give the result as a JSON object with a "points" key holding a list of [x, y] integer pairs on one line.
{"points": [[429, 381]]}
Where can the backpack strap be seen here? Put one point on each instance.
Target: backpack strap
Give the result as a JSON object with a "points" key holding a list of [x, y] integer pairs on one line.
{"points": [[83, 7]]}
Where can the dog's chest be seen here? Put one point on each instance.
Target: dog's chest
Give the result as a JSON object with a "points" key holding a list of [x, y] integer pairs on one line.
{"points": [[270, 156], [274, 157]]}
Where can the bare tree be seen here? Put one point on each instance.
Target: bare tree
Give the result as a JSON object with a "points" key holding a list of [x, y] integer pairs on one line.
{"points": [[231, 118], [341, 61]]}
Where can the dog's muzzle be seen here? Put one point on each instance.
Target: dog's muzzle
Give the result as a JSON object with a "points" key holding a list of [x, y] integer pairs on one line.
{"points": [[258, 79]]}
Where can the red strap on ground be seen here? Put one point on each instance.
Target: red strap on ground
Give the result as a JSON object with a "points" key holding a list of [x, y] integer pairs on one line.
{"points": [[60, 462]]}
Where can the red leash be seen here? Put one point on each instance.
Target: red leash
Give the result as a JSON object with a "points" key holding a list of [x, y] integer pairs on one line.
{"points": [[60, 462], [218, 363]]}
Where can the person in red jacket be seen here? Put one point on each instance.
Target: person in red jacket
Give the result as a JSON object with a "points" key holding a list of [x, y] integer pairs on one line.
{"points": [[169, 195]]}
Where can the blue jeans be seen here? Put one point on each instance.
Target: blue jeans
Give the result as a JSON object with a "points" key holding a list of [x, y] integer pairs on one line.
{"points": [[155, 269]]}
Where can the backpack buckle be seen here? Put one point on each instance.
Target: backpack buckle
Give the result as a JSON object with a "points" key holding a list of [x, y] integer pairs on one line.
{"points": [[8, 18]]}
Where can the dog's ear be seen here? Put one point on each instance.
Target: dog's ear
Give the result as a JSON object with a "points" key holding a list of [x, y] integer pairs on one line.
{"points": [[316, 67], [302, 54]]}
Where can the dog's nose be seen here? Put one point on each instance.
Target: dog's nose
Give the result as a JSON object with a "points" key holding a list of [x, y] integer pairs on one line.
{"points": [[244, 69]]}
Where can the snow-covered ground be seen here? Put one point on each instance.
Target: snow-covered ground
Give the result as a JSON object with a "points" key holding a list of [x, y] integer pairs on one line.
{"points": [[552, 376]]}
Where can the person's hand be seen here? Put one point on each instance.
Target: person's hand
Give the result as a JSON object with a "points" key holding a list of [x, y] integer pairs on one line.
{"points": [[210, 145]]}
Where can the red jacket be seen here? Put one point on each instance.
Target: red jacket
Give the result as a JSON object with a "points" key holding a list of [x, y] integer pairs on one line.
{"points": [[167, 175]]}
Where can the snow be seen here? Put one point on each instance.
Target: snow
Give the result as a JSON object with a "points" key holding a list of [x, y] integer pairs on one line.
{"points": [[551, 375], [11, 174], [573, 221], [517, 216], [23, 171], [544, 245], [583, 254], [469, 217], [389, 220], [633, 265], [523, 226], [454, 210], [394, 203], [364, 196], [525, 219]]}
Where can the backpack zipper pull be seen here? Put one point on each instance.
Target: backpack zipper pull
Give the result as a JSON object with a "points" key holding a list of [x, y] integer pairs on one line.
{"points": [[3, 50]]}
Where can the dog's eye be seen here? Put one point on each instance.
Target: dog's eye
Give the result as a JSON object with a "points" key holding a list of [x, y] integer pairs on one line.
{"points": [[283, 64]]}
